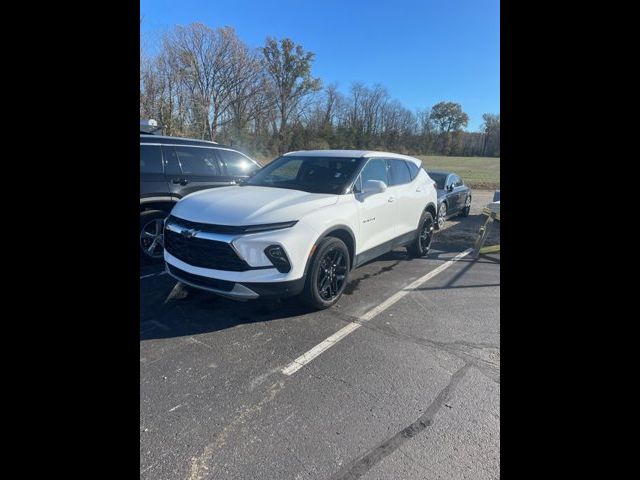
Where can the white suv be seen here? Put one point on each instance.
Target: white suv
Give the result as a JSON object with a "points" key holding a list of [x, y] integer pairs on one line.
{"points": [[301, 224]]}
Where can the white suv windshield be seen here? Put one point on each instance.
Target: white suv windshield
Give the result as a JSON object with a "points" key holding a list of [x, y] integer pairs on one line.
{"points": [[309, 174]]}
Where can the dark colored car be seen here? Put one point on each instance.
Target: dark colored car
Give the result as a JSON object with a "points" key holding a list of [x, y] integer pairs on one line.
{"points": [[171, 168], [454, 197]]}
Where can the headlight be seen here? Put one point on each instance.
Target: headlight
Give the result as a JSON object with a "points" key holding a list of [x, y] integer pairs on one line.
{"points": [[267, 227]]}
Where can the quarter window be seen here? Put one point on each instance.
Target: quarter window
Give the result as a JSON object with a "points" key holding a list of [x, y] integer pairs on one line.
{"points": [[150, 159], [413, 169], [399, 172], [198, 161], [237, 164]]}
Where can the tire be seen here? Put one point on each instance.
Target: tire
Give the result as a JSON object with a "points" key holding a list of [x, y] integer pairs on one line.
{"points": [[151, 225], [421, 245], [467, 207], [442, 216], [326, 280]]}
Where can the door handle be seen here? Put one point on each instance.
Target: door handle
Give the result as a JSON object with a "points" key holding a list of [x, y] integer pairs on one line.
{"points": [[418, 189], [181, 181], [391, 199]]}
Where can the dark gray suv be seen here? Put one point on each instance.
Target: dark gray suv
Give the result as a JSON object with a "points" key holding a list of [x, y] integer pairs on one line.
{"points": [[172, 167]]}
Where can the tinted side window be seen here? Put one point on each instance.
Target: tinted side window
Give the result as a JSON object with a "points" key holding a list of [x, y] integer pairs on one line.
{"points": [[456, 181], [171, 165], [413, 169], [198, 161], [150, 159], [375, 170], [399, 172], [450, 180], [236, 163]]}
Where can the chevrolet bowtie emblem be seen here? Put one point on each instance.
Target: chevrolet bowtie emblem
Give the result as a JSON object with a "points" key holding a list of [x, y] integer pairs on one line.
{"points": [[189, 233]]}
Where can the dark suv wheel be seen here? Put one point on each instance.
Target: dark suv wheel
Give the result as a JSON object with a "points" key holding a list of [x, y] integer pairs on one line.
{"points": [[421, 245], [152, 235], [328, 274]]}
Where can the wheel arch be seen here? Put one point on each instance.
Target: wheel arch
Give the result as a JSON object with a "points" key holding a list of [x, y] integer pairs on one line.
{"points": [[344, 233], [431, 208], [164, 204]]}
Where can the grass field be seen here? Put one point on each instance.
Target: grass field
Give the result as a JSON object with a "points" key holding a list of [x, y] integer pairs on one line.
{"points": [[477, 172], [482, 173]]}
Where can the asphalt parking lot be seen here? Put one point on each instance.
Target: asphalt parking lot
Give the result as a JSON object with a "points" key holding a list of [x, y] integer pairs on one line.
{"points": [[407, 388]]}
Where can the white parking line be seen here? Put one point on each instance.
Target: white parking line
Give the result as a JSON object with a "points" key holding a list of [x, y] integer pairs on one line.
{"points": [[154, 274], [307, 357]]}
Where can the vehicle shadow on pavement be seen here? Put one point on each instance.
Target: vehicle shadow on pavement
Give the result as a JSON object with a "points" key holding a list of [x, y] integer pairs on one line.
{"points": [[168, 309], [460, 233], [178, 311]]}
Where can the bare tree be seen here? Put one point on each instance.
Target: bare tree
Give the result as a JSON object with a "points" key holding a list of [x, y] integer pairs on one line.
{"points": [[211, 65], [491, 129], [207, 83]]}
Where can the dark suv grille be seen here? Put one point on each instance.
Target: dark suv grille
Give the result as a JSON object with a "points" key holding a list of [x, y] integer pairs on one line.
{"points": [[214, 283], [204, 253]]}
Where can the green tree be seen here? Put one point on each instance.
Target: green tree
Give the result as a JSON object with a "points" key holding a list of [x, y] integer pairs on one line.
{"points": [[289, 68], [449, 120]]}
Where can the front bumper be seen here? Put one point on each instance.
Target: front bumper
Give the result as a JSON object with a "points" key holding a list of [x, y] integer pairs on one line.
{"points": [[237, 290]]}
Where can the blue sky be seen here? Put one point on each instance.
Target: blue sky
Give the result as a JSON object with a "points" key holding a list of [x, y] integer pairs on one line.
{"points": [[422, 51]]}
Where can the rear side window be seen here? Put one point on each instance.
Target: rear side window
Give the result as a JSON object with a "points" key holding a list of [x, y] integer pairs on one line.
{"points": [[198, 161], [399, 172], [413, 169], [375, 170], [236, 163], [150, 159]]}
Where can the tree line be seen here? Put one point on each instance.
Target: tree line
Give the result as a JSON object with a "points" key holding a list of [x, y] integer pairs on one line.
{"points": [[206, 83]]}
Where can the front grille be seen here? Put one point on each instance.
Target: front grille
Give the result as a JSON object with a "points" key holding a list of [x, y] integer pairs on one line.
{"points": [[214, 283], [204, 253]]}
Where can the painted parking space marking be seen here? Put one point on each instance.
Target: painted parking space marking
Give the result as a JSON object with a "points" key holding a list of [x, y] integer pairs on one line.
{"points": [[153, 274], [308, 356]]}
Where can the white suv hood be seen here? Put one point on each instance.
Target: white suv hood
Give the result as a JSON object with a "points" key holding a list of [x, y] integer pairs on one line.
{"points": [[249, 205]]}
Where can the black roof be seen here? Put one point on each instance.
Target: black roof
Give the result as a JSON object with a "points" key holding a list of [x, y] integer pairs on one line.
{"points": [[149, 138]]}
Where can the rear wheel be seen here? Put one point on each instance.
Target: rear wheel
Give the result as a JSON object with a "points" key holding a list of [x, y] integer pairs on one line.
{"points": [[328, 274], [442, 215], [467, 207], [421, 245], [152, 235]]}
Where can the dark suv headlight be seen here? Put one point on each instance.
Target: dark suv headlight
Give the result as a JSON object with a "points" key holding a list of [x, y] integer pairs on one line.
{"points": [[277, 256]]}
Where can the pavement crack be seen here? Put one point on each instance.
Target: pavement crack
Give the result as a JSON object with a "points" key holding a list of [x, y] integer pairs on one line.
{"points": [[361, 465], [459, 349]]}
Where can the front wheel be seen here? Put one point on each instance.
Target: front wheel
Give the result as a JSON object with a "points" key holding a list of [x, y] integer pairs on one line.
{"points": [[152, 235], [328, 274], [421, 245]]}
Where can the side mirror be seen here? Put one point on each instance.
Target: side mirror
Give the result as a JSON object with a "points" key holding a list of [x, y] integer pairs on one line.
{"points": [[450, 188], [374, 186]]}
